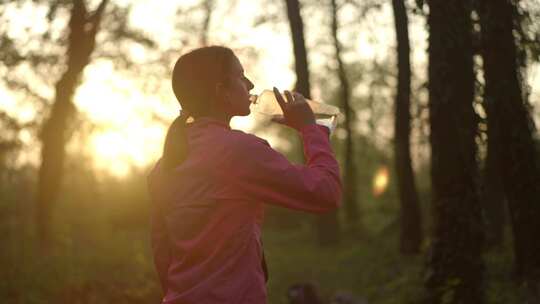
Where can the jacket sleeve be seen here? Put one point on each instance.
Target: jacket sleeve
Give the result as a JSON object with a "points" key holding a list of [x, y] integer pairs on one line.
{"points": [[257, 172]]}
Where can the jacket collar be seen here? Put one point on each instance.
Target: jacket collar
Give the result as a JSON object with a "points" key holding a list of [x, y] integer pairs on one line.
{"points": [[204, 121]]}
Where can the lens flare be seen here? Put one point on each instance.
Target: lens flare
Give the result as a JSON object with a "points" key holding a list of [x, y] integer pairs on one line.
{"points": [[380, 181]]}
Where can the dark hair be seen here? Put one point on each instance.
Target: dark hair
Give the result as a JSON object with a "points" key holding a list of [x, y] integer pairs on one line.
{"points": [[194, 79]]}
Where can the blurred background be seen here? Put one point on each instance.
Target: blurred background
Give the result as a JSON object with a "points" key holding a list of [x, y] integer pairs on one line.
{"points": [[436, 140]]}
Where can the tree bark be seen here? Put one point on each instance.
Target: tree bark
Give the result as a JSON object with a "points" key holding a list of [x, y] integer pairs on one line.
{"points": [[208, 9], [327, 225], [350, 196], [301, 66], [410, 217], [512, 129], [455, 267], [492, 195], [81, 42]]}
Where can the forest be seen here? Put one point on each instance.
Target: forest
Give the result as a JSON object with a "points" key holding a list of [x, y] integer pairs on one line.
{"points": [[436, 141]]}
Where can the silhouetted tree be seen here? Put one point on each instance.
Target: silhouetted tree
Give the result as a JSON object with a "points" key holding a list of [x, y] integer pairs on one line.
{"points": [[492, 194], [512, 135], [327, 224], [301, 66], [193, 23], [208, 6], [455, 267], [350, 197], [32, 61], [83, 27], [410, 218]]}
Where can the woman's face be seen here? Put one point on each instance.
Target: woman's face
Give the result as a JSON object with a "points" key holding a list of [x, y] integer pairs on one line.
{"points": [[236, 94]]}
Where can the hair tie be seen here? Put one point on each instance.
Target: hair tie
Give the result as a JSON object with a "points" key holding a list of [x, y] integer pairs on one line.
{"points": [[184, 115]]}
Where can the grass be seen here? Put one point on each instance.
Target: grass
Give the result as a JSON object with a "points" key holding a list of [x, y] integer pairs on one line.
{"points": [[103, 255], [370, 269]]}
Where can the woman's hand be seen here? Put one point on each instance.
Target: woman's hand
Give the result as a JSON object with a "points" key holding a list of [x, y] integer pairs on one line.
{"points": [[296, 111]]}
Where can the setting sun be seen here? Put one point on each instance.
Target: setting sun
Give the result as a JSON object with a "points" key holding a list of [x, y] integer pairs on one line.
{"points": [[117, 150]]}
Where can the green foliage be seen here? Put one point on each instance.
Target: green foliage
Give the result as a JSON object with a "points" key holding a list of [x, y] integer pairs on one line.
{"points": [[101, 243], [103, 252], [369, 268]]}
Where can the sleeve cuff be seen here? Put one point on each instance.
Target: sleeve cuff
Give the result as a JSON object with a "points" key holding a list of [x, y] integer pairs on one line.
{"points": [[314, 128]]}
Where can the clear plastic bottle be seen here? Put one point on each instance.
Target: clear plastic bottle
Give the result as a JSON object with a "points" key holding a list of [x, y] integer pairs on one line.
{"points": [[266, 103]]}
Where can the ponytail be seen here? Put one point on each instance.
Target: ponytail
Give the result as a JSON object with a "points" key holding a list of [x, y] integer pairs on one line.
{"points": [[175, 147], [194, 79]]}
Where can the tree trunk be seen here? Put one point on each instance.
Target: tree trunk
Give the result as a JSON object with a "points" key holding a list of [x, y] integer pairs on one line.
{"points": [[208, 9], [81, 42], [410, 218], [455, 267], [350, 196], [327, 224], [492, 195], [299, 46], [512, 129]]}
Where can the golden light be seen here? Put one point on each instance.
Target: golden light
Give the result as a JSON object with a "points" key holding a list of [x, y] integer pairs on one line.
{"points": [[118, 150], [380, 181], [128, 135]]}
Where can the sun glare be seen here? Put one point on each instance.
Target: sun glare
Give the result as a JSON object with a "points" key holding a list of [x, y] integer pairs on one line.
{"points": [[128, 135], [380, 181], [118, 150]]}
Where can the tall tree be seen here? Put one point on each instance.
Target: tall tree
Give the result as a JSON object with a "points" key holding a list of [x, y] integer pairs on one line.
{"points": [[455, 265], [301, 66], [492, 195], [327, 224], [83, 27], [350, 197], [511, 129], [208, 6], [35, 60], [410, 218]]}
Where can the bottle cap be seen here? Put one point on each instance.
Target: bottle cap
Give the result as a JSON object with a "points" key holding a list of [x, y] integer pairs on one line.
{"points": [[253, 98]]}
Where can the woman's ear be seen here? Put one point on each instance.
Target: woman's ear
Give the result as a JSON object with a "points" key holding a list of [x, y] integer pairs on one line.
{"points": [[221, 94], [218, 90], [221, 99]]}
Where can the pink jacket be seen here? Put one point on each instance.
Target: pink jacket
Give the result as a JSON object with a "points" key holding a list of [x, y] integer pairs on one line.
{"points": [[207, 214]]}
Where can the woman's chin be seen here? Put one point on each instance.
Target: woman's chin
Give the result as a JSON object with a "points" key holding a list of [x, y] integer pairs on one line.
{"points": [[245, 113], [241, 114]]}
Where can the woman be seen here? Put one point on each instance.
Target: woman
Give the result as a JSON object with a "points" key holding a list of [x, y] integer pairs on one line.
{"points": [[211, 184]]}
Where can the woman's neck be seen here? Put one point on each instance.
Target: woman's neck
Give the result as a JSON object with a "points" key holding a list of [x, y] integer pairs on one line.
{"points": [[221, 117]]}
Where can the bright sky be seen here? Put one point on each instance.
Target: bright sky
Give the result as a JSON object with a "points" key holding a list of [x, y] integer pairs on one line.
{"points": [[128, 136], [131, 137], [128, 139]]}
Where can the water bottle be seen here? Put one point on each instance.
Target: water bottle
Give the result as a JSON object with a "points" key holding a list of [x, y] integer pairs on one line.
{"points": [[266, 103]]}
